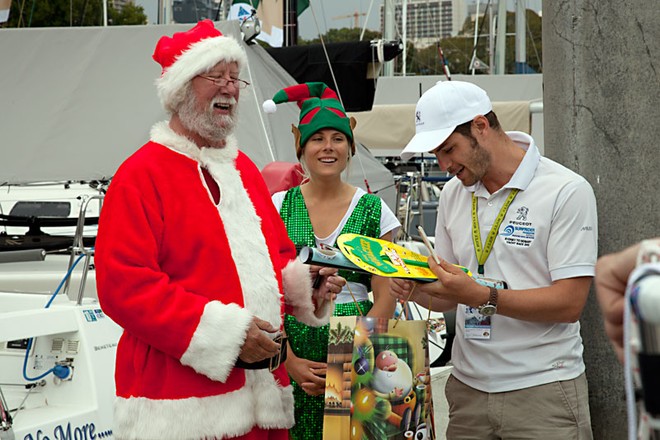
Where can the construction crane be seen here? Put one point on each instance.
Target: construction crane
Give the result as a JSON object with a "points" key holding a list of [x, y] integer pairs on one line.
{"points": [[355, 15]]}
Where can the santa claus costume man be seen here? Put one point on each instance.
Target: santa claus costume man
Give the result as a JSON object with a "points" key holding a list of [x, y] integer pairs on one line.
{"points": [[194, 263]]}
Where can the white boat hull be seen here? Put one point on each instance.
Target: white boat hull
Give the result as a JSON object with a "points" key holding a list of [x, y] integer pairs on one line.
{"points": [[78, 407]]}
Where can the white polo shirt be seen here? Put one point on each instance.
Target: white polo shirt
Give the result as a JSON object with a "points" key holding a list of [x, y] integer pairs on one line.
{"points": [[549, 233]]}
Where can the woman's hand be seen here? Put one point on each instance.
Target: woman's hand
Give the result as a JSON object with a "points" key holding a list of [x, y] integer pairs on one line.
{"points": [[309, 375]]}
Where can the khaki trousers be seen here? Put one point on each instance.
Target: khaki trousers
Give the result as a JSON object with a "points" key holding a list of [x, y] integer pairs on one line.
{"points": [[557, 410]]}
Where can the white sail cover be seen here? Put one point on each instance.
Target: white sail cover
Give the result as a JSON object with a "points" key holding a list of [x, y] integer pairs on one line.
{"points": [[75, 102]]}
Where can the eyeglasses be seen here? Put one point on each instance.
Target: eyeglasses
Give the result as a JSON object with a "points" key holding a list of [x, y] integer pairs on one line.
{"points": [[222, 82]]}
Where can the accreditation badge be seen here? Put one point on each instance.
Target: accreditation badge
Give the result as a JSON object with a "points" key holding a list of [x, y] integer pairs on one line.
{"points": [[477, 326]]}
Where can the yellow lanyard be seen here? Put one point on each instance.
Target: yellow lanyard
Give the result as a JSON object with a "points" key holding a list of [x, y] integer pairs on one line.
{"points": [[483, 253]]}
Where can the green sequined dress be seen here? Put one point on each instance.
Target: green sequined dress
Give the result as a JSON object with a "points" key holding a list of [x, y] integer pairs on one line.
{"points": [[312, 342]]}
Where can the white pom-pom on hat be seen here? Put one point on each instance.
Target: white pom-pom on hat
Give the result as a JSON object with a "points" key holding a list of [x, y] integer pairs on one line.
{"points": [[269, 106]]}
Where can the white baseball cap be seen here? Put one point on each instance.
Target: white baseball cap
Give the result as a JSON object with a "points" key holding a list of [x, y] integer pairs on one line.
{"points": [[440, 110]]}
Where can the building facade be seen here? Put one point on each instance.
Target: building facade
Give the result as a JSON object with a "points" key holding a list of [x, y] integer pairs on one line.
{"points": [[428, 21]]}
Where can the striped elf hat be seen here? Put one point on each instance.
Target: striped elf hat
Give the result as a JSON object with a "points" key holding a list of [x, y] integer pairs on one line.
{"points": [[319, 108]]}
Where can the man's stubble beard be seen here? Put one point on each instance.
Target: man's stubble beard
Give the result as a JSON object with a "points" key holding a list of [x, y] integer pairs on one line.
{"points": [[214, 128], [478, 162]]}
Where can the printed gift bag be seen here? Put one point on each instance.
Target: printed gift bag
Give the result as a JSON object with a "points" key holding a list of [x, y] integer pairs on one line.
{"points": [[378, 380]]}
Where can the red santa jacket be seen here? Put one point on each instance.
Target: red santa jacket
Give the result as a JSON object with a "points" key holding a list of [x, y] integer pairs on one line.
{"points": [[183, 277]]}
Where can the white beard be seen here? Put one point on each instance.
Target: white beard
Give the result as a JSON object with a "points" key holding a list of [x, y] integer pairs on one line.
{"points": [[212, 127]]}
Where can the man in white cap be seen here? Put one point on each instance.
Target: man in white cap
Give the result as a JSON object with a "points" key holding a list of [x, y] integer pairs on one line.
{"points": [[520, 220], [194, 262]]}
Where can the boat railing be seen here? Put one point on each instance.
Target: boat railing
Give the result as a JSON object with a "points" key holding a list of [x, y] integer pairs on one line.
{"points": [[414, 195], [5, 417], [23, 255], [78, 249]]}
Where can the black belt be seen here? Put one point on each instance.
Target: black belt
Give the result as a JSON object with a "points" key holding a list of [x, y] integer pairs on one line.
{"points": [[271, 363]]}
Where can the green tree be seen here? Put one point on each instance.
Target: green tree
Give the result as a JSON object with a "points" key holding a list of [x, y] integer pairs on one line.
{"points": [[130, 14], [458, 50], [65, 13], [342, 35]]}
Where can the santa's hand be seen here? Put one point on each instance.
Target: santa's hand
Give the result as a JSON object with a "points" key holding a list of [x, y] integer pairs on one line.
{"points": [[329, 285], [258, 345]]}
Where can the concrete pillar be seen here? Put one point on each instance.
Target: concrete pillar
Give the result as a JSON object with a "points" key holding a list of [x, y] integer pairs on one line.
{"points": [[601, 71]]}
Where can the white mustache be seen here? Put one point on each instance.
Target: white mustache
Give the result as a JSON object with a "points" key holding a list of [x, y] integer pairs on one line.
{"points": [[223, 100]]}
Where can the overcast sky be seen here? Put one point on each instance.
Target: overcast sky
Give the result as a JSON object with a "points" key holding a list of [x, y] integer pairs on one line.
{"points": [[326, 12]]}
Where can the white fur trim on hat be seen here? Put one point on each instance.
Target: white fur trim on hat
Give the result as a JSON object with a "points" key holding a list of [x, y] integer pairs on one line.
{"points": [[199, 58]]}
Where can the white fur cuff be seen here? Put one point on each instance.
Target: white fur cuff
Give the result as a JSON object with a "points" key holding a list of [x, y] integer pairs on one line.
{"points": [[218, 339], [298, 294]]}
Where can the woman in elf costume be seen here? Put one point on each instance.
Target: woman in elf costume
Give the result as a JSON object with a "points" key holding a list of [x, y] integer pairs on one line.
{"points": [[316, 213]]}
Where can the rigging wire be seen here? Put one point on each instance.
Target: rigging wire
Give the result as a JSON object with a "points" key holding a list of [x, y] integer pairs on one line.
{"points": [[83, 13], [444, 65], [536, 52], [366, 19], [396, 27], [316, 23], [217, 12], [20, 14], [479, 32], [323, 14], [261, 116], [325, 52], [334, 81], [434, 21], [31, 13]]}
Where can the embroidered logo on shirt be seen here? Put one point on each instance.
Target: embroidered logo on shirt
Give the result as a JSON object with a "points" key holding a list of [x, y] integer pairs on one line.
{"points": [[518, 233], [522, 213]]}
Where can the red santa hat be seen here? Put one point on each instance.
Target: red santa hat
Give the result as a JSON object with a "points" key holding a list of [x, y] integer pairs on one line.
{"points": [[188, 54]]}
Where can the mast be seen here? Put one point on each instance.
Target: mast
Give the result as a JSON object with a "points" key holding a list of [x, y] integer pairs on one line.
{"points": [[290, 23], [226, 6], [388, 31], [491, 40], [404, 26], [500, 48], [476, 36], [521, 42], [165, 11]]}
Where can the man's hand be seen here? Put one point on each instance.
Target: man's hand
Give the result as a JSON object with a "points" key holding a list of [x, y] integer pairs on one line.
{"points": [[400, 289], [308, 374], [258, 345], [453, 286], [329, 284]]}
